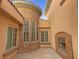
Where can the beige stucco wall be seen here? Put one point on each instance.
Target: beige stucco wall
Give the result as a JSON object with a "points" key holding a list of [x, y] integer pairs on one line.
{"points": [[64, 18], [43, 23], [8, 7], [6, 21]]}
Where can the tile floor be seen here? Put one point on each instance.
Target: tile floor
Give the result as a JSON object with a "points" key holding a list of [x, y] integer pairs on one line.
{"points": [[42, 53]]}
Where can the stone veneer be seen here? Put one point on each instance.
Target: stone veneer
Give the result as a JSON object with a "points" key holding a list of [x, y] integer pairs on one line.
{"points": [[30, 12]]}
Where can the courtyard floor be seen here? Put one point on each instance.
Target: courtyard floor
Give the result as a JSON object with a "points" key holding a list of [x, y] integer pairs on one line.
{"points": [[42, 53]]}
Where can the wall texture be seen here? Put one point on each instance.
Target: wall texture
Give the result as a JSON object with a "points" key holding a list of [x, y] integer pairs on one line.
{"points": [[64, 19], [44, 23], [8, 7]]}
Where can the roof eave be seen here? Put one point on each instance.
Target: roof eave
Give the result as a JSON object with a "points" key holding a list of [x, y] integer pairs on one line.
{"points": [[48, 3]]}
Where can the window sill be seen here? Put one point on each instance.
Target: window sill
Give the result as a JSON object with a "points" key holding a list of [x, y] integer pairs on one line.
{"points": [[33, 41], [44, 43], [10, 50], [26, 42]]}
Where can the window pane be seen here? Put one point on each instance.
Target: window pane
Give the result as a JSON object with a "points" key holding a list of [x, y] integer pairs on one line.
{"points": [[26, 31], [46, 36], [33, 30], [42, 36], [9, 38]]}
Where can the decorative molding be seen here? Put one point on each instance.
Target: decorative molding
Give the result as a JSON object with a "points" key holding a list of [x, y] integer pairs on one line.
{"points": [[23, 4]]}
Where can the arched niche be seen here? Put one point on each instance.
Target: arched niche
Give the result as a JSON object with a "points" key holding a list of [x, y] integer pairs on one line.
{"points": [[64, 45]]}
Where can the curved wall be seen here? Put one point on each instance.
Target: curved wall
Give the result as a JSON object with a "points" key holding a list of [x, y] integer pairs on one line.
{"points": [[30, 13]]}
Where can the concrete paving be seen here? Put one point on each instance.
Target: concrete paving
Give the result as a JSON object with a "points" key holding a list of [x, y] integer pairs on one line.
{"points": [[42, 53]]}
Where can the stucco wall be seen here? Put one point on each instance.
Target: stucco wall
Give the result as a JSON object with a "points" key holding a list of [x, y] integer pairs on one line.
{"points": [[9, 8], [44, 23], [4, 23], [64, 18]]}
